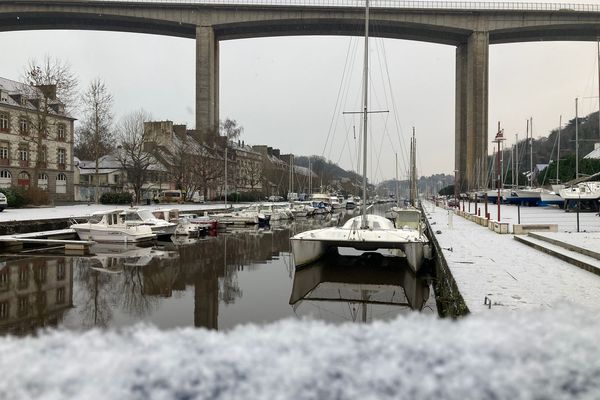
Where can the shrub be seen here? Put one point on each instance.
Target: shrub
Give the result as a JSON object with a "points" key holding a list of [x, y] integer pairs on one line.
{"points": [[36, 196], [116, 198], [15, 197]]}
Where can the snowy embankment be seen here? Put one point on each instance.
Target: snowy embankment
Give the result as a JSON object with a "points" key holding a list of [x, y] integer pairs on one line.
{"points": [[83, 210], [542, 354]]}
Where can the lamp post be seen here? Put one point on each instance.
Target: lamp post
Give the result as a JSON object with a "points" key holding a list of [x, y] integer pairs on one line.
{"points": [[456, 188], [498, 139]]}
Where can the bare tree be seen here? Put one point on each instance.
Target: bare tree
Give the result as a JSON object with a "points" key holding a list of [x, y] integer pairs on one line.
{"points": [[96, 132], [181, 162], [50, 87], [207, 166], [132, 155], [231, 129]]}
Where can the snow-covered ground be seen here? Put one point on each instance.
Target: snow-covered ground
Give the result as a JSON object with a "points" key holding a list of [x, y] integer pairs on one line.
{"points": [[567, 221], [513, 275], [83, 210], [549, 354]]}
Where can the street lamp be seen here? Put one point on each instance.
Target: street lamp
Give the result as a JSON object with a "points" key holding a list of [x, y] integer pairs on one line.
{"points": [[498, 139], [456, 187]]}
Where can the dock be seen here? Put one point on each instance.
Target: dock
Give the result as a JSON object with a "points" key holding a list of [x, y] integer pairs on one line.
{"points": [[47, 240], [495, 272]]}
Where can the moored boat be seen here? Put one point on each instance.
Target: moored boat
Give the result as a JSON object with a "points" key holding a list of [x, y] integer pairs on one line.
{"points": [[110, 227]]}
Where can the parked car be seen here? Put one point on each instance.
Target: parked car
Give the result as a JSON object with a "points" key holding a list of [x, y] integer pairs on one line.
{"points": [[3, 202], [275, 198], [171, 196]]}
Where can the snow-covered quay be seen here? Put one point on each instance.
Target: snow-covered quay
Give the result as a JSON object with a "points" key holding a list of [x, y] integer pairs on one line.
{"points": [[549, 354], [513, 276]]}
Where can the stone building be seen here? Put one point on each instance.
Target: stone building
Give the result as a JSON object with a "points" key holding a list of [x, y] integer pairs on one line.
{"points": [[36, 140]]}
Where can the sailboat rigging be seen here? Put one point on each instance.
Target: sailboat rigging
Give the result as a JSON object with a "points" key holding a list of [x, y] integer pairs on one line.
{"points": [[366, 232]]}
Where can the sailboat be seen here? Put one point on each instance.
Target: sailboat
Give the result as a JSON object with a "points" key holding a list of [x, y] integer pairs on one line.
{"points": [[365, 232]]}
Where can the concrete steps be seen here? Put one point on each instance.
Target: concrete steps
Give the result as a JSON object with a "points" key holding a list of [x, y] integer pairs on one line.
{"points": [[563, 251]]}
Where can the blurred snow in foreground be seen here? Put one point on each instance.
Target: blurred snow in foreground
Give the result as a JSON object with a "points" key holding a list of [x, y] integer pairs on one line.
{"points": [[546, 354]]}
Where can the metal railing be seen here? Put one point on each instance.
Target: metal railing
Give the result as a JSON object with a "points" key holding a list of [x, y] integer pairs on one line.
{"points": [[431, 5]]}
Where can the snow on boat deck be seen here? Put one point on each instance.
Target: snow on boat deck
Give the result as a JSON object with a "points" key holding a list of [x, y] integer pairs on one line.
{"points": [[512, 275]]}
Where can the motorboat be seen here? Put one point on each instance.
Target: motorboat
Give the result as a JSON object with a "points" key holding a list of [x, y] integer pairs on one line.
{"points": [[243, 217], [334, 201], [183, 225], [299, 210], [139, 216], [110, 227], [350, 204], [275, 212], [203, 221]]}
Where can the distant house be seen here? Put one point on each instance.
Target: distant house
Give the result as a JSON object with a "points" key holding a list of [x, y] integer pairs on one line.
{"points": [[594, 154], [36, 142]]}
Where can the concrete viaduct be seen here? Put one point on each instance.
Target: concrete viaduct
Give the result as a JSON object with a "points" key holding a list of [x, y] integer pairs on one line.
{"points": [[470, 27]]}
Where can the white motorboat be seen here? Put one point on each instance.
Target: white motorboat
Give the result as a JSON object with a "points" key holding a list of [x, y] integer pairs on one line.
{"points": [[110, 227], [350, 204], [299, 210], [183, 225], [160, 227], [275, 212], [204, 222], [244, 217], [335, 202]]}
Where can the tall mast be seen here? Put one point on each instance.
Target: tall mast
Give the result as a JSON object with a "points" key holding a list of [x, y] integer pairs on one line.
{"points": [[558, 152], [576, 138], [365, 105], [397, 189], [598, 86], [517, 159], [531, 152]]}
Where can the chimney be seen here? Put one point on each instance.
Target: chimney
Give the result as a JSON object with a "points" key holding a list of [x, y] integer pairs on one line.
{"points": [[48, 90], [243, 145], [276, 152], [596, 146]]}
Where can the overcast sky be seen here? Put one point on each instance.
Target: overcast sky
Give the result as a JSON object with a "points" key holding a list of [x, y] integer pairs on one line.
{"points": [[283, 90]]}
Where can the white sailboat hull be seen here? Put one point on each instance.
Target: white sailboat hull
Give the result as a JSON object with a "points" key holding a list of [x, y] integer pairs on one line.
{"points": [[310, 246]]}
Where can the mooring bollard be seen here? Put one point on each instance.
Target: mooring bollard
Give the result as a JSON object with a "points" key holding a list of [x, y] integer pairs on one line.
{"points": [[578, 207], [450, 222]]}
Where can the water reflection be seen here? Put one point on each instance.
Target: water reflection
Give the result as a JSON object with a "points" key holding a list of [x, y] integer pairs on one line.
{"points": [[359, 289], [243, 276], [34, 293]]}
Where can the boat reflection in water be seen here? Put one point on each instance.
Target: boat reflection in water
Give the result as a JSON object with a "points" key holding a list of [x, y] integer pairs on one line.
{"points": [[34, 293], [372, 286]]}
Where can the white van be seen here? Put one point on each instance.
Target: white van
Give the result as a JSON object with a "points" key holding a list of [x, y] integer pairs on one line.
{"points": [[171, 196]]}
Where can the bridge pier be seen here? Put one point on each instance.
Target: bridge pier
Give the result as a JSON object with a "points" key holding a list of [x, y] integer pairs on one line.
{"points": [[471, 118], [207, 81]]}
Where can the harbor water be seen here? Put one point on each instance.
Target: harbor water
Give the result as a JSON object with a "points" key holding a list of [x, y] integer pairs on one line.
{"points": [[242, 276]]}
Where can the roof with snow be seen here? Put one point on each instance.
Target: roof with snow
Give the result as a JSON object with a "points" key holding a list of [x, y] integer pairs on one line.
{"points": [[595, 154], [14, 89]]}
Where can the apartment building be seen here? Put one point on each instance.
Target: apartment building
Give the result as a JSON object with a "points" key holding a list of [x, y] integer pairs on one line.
{"points": [[36, 140]]}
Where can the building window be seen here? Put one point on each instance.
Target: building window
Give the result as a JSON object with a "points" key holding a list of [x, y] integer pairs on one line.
{"points": [[60, 295], [43, 181], [4, 122], [23, 154], [61, 132], [4, 278], [23, 126], [62, 157], [23, 306], [61, 183], [40, 274], [23, 277], [4, 154], [60, 271], [23, 179], [4, 309], [5, 179]]}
